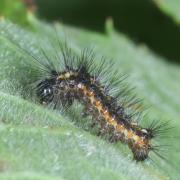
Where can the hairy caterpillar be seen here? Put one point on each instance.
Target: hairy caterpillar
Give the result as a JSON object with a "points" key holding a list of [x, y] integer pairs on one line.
{"points": [[77, 77], [80, 80]]}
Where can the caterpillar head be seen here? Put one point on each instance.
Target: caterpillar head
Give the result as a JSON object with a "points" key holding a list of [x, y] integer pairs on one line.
{"points": [[44, 91]]}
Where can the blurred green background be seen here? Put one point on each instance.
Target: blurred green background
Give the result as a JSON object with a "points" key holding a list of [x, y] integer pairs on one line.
{"points": [[142, 20], [153, 22]]}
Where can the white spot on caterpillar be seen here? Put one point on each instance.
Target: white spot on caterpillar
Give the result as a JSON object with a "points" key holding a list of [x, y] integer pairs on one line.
{"points": [[47, 91], [144, 131], [80, 86], [67, 75]]}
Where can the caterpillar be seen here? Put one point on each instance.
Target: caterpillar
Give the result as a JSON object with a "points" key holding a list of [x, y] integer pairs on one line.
{"points": [[77, 77], [81, 80]]}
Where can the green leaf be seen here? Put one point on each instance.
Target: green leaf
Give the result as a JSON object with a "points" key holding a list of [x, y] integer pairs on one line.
{"points": [[15, 10], [40, 143], [170, 7]]}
